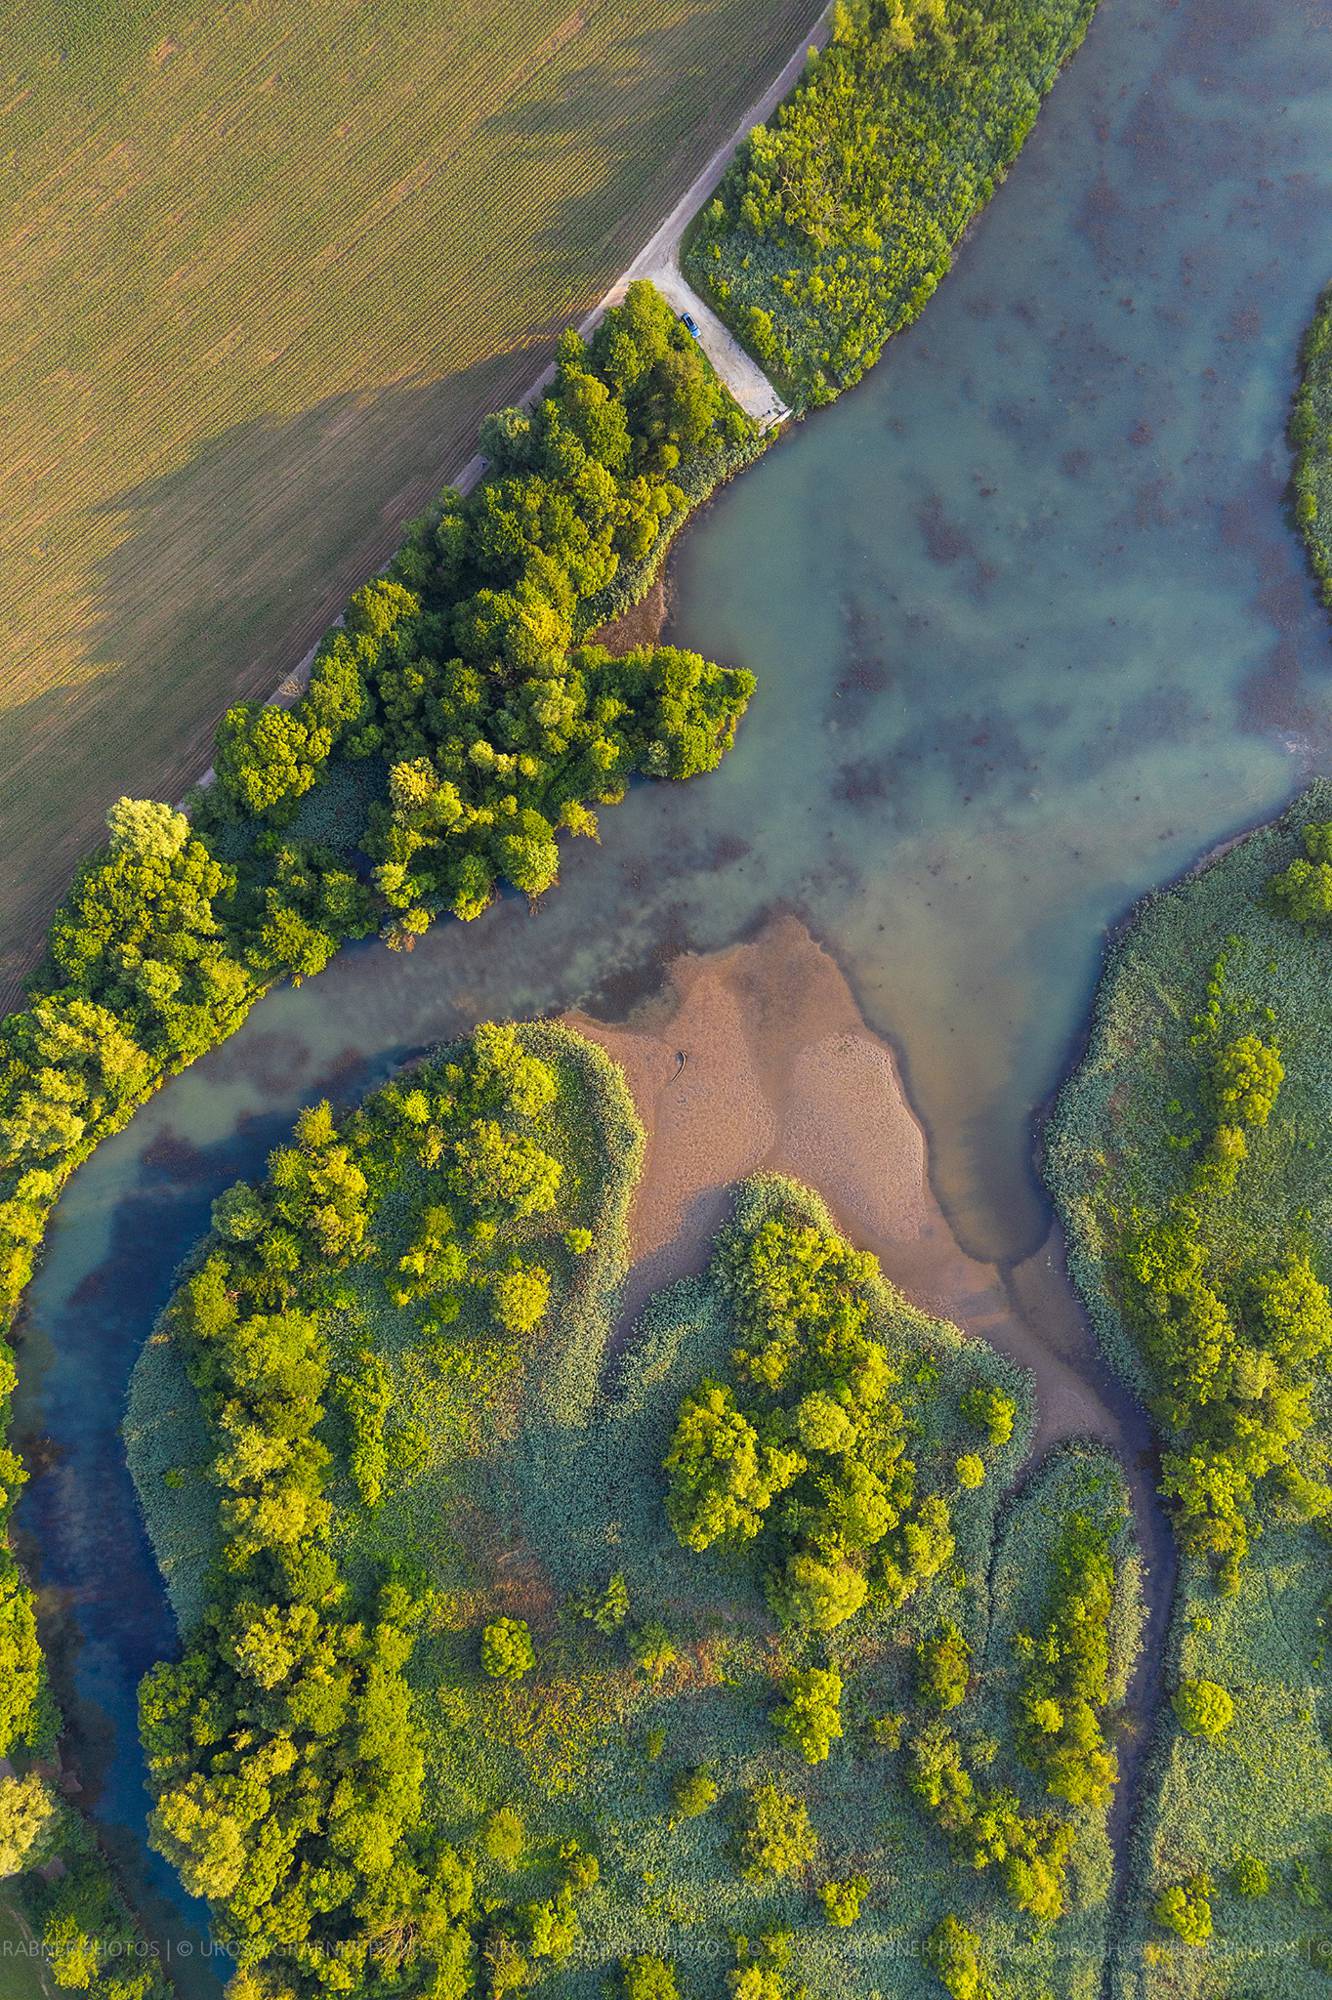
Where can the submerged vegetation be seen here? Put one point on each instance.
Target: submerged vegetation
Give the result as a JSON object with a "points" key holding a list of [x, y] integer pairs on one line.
{"points": [[1191, 1157], [631, 1667], [840, 216]]}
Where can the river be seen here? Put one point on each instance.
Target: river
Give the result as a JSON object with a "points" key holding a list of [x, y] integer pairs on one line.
{"points": [[1031, 630]]}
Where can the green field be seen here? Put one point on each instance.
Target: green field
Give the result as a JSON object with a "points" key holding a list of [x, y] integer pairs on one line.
{"points": [[266, 267], [1210, 958]]}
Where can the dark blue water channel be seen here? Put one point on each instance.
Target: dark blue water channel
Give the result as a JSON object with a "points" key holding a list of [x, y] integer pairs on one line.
{"points": [[1031, 631]]}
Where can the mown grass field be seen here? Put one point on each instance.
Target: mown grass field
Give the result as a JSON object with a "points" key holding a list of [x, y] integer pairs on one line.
{"points": [[1263, 1789], [267, 265]]}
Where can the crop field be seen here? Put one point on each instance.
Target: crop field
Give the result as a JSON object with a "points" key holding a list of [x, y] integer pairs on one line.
{"points": [[267, 266]]}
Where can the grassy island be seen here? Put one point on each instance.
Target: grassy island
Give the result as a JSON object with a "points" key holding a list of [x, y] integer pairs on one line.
{"points": [[839, 218], [720, 1657], [1191, 1159], [1311, 437]]}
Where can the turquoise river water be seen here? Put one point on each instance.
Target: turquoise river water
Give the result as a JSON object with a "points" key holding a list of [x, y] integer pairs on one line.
{"points": [[1032, 632]]}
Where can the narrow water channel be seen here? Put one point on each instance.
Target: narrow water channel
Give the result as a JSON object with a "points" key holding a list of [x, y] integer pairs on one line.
{"points": [[1031, 633]]}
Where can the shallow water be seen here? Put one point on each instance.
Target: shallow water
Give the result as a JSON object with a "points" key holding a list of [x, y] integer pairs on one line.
{"points": [[1031, 632]]}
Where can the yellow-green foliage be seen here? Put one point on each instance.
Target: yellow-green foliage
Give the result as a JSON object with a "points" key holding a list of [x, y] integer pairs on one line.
{"points": [[839, 218], [1311, 435]]}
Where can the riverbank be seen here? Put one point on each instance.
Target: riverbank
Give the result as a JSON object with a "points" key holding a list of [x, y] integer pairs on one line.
{"points": [[1203, 961], [781, 1074], [984, 809]]}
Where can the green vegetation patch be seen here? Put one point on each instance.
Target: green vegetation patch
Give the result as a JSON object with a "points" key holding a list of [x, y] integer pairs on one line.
{"points": [[836, 222], [469, 1700], [1311, 436], [1190, 1157]]}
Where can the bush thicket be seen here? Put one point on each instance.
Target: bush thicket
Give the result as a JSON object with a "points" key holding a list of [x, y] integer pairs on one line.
{"points": [[836, 222]]}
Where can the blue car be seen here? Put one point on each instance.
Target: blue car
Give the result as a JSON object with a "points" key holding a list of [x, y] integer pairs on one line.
{"points": [[690, 325]]}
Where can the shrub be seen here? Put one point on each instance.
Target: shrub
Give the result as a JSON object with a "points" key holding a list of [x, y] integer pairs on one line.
{"points": [[608, 1609], [943, 1667], [694, 1793], [1186, 1909], [649, 1978], [505, 1837], [507, 1652], [776, 1836], [1251, 1876], [1203, 1709], [842, 1900], [952, 1953], [653, 1649], [810, 1718]]}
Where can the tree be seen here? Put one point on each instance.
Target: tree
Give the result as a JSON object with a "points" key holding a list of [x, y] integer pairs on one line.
{"points": [[267, 757], [952, 1952], [507, 1652], [29, 1817], [521, 1295], [723, 1473], [990, 1411], [816, 1594], [694, 1793], [842, 1900], [1203, 1708], [970, 1469], [1186, 1908], [776, 1836], [1247, 1077], [943, 1667], [1304, 890], [810, 1718], [648, 1977]]}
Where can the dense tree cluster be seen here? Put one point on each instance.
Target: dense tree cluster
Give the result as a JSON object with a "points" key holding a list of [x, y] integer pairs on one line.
{"points": [[89, 1940], [987, 1826], [1234, 1349], [805, 1455], [839, 218], [1065, 1685], [1303, 889], [285, 1750], [458, 673], [460, 668]]}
